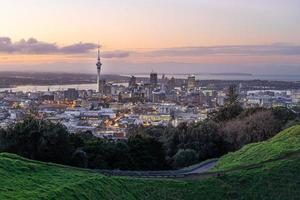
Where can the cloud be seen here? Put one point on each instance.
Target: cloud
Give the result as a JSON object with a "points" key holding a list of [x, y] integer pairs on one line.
{"points": [[252, 50], [78, 48], [33, 46], [115, 54]]}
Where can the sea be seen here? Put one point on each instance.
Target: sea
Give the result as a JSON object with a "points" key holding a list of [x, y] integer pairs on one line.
{"points": [[36, 88], [277, 77]]}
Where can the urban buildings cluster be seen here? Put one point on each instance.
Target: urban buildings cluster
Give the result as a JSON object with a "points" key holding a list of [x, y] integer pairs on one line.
{"points": [[113, 108]]}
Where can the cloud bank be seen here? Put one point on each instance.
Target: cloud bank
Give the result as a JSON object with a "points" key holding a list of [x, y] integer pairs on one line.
{"points": [[115, 54], [36, 47], [250, 50], [33, 46]]}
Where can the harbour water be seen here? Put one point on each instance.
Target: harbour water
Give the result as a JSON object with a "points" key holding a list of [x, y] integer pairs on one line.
{"points": [[277, 77], [35, 88]]}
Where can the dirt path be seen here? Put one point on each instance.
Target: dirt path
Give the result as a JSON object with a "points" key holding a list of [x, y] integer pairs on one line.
{"points": [[196, 169], [203, 168], [199, 171], [206, 174]]}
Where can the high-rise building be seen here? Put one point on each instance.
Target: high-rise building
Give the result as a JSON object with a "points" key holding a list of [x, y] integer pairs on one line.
{"points": [[98, 64], [171, 84], [164, 80], [191, 83], [153, 79], [132, 81], [101, 86], [71, 94]]}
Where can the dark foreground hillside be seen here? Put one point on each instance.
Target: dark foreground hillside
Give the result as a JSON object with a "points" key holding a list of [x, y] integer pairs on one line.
{"points": [[26, 179]]}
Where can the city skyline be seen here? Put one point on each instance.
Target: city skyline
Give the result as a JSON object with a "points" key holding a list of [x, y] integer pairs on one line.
{"points": [[178, 36]]}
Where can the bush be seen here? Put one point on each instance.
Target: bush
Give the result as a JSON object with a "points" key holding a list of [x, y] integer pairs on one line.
{"points": [[79, 159], [38, 139], [257, 127], [226, 113], [184, 158], [147, 153]]}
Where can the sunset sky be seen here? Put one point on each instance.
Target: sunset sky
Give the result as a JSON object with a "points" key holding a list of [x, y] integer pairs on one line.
{"points": [[168, 36]]}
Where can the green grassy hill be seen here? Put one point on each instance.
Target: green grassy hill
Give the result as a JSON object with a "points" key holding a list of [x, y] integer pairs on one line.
{"points": [[21, 178], [283, 144]]}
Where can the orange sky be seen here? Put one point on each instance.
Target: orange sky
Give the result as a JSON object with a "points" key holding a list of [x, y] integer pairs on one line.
{"points": [[150, 25]]}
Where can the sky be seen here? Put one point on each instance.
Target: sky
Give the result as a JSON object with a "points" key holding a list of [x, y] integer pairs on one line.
{"points": [[138, 36]]}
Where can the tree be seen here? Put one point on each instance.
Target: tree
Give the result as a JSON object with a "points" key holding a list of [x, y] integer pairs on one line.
{"points": [[184, 158], [97, 153], [147, 153], [232, 95], [232, 107], [38, 139], [226, 113], [121, 157], [284, 116], [291, 123], [257, 127], [79, 159]]}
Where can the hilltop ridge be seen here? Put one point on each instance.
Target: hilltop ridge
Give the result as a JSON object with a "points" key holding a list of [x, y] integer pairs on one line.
{"points": [[22, 178]]}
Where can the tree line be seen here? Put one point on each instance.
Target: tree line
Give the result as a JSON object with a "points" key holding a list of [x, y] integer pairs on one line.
{"points": [[51, 142]]}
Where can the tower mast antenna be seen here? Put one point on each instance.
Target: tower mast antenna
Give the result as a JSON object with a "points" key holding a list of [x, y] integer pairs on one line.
{"points": [[98, 51]]}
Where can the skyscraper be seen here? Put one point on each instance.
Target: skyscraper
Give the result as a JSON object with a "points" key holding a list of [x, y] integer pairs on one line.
{"points": [[132, 81], [71, 94], [163, 82], [191, 83], [101, 86], [171, 84], [98, 64], [153, 79]]}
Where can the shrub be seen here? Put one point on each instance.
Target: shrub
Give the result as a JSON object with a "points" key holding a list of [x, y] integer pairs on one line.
{"points": [[185, 158]]}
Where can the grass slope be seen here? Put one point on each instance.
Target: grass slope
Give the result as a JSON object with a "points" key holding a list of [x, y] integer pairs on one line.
{"points": [[26, 179], [282, 144], [21, 178]]}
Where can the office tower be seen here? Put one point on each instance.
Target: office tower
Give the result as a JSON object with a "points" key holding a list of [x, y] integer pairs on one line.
{"points": [[71, 94], [132, 81], [191, 83], [153, 79]]}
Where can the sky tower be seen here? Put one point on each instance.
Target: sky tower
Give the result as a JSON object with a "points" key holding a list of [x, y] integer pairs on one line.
{"points": [[98, 64]]}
